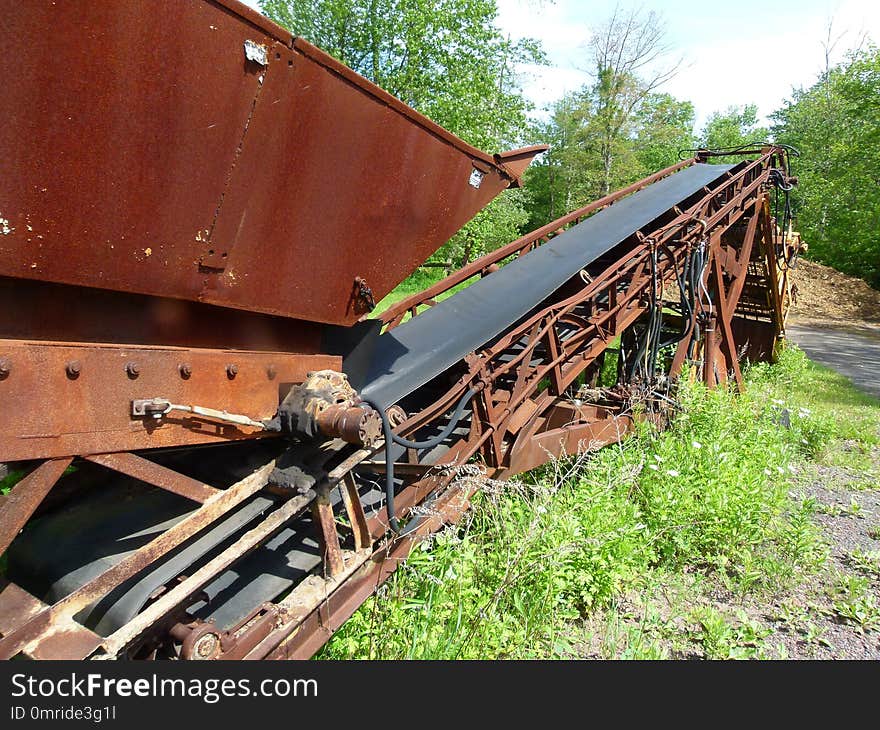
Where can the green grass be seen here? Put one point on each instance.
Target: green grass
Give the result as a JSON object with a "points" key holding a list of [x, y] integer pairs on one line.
{"points": [[539, 560], [10, 480], [415, 283]]}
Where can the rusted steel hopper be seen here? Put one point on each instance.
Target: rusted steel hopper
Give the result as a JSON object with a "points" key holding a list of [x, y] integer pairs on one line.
{"points": [[192, 149]]}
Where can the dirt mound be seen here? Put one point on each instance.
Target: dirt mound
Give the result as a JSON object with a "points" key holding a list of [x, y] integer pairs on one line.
{"points": [[826, 295]]}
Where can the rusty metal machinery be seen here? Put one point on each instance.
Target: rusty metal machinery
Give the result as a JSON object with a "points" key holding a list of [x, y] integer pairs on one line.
{"points": [[223, 455]]}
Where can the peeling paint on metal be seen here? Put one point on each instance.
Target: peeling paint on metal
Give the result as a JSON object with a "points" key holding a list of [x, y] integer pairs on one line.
{"points": [[256, 53], [5, 228]]}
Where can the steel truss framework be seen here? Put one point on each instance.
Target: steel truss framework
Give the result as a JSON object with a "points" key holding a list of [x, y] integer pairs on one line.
{"points": [[525, 411]]}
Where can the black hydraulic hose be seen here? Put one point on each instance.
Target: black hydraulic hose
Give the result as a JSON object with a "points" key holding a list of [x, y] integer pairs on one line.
{"points": [[696, 275], [683, 300], [392, 438], [651, 327], [450, 427]]}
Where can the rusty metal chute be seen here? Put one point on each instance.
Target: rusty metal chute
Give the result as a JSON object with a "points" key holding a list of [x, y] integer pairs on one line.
{"points": [[219, 160]]}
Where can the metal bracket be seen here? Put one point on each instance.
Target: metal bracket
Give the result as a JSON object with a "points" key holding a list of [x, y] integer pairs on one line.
{"points": [[158, 407]]}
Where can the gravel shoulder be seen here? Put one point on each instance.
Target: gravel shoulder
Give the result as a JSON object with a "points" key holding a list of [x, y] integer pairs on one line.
{"points": [[832, 613]]}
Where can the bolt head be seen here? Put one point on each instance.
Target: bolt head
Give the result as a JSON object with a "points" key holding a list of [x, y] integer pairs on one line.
{"points": [[271, 371], [231, 370], [206, 646], [132, 369], [185, 369], [73, 368], [5, 366]]}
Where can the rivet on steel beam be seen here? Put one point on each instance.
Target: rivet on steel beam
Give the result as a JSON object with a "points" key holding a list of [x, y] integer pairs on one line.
{"points": [[132, 369], [5, 367], [271, 371], [185, 370], [231, 370], [73, 368]]}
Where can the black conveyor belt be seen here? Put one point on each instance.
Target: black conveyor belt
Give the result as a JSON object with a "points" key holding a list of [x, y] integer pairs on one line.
{"points": [[410, 355]]}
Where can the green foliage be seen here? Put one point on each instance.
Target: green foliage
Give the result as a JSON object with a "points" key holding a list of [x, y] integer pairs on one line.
{"points": [[725, 639], [708, 496], [736, 126], [497, 224], [836, 126], [665, 126], [10, 480], [448, 59], [855, 602], [614, 130], [416, 282], [581, 167], [832, 408]]}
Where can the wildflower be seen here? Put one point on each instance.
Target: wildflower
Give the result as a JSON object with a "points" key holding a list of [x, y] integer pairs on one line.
{"points": [[652, 466], [696, 444], [673, 473]]}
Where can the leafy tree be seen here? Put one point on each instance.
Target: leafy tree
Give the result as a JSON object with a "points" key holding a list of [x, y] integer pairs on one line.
{"points": [[616, 129], [623, 49], [836, 126], [736, 126], [570, 172], [665, 126], [446, 58]]}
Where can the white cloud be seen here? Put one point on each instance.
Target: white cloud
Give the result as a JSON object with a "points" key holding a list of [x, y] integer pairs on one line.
{"points": [[736, 53]]}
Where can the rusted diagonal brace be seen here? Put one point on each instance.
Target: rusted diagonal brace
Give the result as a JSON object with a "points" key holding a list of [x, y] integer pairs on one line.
{"points": [[155, 474], [309, 630], [355, 510], [117, 641], [726, 332], [26, 496], [744, 257], [102, 584]]}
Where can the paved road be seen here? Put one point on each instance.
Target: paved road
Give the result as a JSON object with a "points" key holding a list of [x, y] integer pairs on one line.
{"points": [[851, 353]]}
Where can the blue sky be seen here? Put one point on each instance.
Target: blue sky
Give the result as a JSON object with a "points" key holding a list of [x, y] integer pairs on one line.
{"points": [[734, 51]]}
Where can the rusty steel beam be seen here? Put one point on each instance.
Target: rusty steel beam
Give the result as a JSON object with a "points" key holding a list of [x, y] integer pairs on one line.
{"points": [[331, 551], [26, 496], [99, 586], [156, 474], [168, 602], [72, 399], [355, 511]]}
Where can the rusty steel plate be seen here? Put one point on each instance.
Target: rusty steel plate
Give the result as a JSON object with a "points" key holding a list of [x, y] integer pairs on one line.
{"points": [[68, 399], [192, 149]]}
